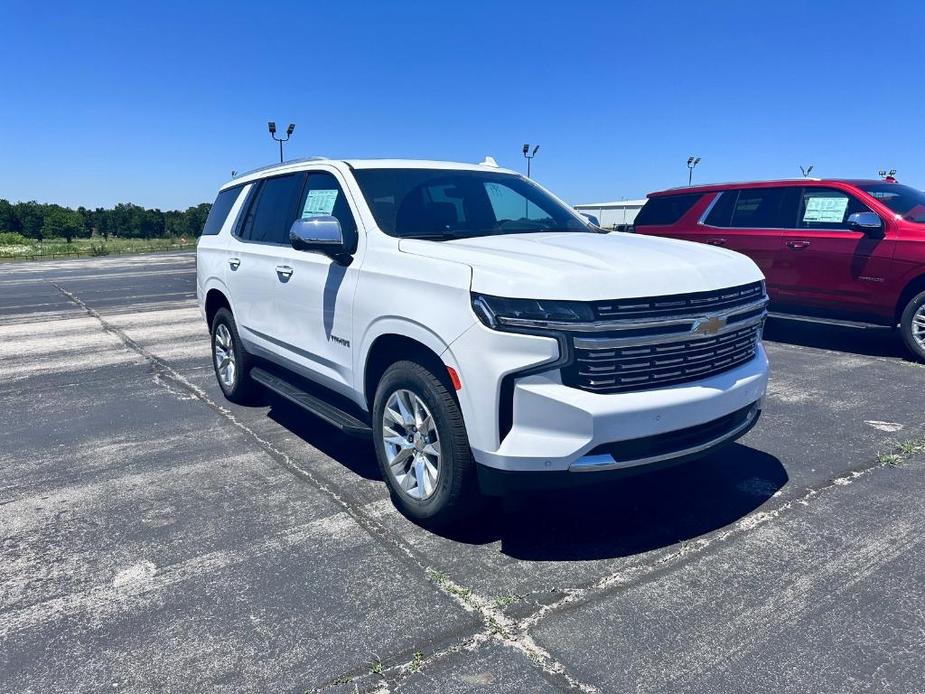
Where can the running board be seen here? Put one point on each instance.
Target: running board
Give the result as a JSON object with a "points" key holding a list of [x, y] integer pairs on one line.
{"points": [[330, 413], [828, 321]]}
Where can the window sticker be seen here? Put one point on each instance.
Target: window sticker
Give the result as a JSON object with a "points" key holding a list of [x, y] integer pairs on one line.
{"points": [[825, 209], [319, 202]]}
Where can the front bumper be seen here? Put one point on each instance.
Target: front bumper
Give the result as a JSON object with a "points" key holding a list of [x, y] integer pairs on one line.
{"points": [[561, 429], [498, 482]]}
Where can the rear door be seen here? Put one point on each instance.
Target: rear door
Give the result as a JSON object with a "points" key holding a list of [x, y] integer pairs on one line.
{"points": [[824, 263], [751, 221], [256, 253]]}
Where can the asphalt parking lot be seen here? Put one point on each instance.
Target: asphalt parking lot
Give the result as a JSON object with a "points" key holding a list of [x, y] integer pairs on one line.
{"points": [[156, 537]]}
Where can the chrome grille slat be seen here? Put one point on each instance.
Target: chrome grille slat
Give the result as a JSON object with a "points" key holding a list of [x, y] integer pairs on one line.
{"points": [[607, 365], [691, 363], [662, 306]]}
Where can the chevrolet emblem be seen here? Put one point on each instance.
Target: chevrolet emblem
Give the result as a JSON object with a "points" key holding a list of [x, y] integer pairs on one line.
{"points": [[708, 326]]}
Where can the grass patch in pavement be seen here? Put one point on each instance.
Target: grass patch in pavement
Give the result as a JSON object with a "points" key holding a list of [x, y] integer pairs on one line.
{"points": [[902, 451]]}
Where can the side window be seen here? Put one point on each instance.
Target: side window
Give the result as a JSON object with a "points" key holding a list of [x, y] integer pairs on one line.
{"points": [[218, 213], [323, 196], [666, 209], [273, 210], [827, 208], [721, 212], [764, 208]]}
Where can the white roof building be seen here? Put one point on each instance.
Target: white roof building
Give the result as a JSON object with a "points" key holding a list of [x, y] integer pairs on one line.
{"points": [[610, 214]]}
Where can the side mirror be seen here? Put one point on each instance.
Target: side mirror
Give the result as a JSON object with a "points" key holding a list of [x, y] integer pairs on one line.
{"points": [[868, 222], [321, 234]]}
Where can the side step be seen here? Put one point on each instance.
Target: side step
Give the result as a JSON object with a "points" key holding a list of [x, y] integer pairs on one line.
{"points": [[330, 413]]}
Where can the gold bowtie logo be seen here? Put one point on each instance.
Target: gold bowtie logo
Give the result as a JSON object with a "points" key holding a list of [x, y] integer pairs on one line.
{"points": [[709, 326]]}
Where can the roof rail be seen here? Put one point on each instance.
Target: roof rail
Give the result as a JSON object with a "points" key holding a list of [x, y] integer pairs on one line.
{"points": [[739, 183], [276, 166]]}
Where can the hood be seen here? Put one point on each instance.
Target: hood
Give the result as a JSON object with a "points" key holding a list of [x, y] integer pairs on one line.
{"points": [[589, 267]]}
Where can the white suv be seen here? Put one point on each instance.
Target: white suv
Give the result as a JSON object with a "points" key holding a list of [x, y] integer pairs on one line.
{"points": [[476, 327]]}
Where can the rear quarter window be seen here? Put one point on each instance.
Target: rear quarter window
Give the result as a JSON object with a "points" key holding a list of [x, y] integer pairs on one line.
{"points": [[666, 209], [218, 213]]}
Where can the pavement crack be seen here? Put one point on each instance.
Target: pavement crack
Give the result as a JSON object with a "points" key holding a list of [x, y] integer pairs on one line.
{"points": [[902, 452], [495, 624]]}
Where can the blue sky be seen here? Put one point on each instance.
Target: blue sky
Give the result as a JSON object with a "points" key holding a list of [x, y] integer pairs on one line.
{"points": [[156, 103]]}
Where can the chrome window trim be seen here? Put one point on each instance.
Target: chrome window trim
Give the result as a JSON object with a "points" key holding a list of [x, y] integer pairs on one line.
{"points": [[706, 213]]}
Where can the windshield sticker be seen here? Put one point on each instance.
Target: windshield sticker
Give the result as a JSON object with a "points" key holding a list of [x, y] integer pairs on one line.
{"points": [[825, 210], [319, 202]]}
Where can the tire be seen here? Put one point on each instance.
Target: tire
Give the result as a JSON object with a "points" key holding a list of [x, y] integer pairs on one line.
{"points": [[227, 349], [452, 494], [912, 326]]}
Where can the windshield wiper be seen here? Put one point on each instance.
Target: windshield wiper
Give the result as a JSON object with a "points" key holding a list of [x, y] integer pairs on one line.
{"points": [[434, 237]]}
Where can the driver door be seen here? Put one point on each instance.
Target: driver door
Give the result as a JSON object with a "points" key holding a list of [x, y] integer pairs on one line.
{"points": [[824, 263], [315, 304]]}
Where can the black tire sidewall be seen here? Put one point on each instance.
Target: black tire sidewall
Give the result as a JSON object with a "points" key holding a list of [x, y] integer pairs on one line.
{"points": [[454, 480], [905, 325], [238, 390]]}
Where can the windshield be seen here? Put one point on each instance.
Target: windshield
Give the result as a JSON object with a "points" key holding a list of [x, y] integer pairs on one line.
{"points": [[443, 204], [907, 202]]}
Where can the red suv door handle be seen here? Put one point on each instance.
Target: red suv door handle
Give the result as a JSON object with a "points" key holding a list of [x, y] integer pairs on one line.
{"points": [[717, 242], [797, 245]]}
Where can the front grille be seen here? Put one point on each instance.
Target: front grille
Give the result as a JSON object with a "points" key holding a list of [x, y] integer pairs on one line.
{"points": [[643, 367], [674, 306]]}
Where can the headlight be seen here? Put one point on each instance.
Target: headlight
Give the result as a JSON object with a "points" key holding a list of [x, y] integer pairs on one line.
{"points": [[500, 313]]}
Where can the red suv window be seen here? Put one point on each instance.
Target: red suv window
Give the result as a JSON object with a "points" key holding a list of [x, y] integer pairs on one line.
{"points": [[755, 208], [666, 209]]}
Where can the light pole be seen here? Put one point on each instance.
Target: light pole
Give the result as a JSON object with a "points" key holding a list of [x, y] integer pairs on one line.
{"points": [[807, 171], [271, 126], [889, 176], [691, 163], [529, 157]]}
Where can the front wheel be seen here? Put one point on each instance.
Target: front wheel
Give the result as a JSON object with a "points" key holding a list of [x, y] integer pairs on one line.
{"points": [[422, 447], [912, 326]]}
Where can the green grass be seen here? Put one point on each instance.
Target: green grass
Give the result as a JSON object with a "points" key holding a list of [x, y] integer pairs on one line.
{"points": [[902, 451], [52, 249]]}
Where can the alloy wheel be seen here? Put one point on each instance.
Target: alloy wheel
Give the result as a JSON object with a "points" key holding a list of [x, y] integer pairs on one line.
{"points": [[412, 447], [224, 356], [918, 326]]}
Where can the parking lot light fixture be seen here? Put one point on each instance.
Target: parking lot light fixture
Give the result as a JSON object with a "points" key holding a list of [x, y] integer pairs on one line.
{"points": [[271, 126], [691, 163], [529, 156], [807, 171]]}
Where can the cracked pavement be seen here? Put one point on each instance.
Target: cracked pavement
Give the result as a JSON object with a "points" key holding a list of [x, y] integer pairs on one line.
{"points": [[157, 537]]}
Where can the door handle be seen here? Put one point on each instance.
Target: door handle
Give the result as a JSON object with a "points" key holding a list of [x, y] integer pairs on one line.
{"points": [[234, 263], [797, 245], [284, 271], [717, 242]]}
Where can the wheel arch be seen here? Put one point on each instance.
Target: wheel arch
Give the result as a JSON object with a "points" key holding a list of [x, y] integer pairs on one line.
{"points": [[913, 287], [388, 348], [215, 299]]}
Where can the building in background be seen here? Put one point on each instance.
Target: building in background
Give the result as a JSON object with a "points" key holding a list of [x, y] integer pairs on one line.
{"points": [[613, 214]]}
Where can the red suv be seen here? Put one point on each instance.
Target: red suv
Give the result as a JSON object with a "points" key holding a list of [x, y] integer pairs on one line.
{"points": [[835, 249]]}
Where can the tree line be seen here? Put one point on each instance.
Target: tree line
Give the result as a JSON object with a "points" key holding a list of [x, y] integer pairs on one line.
{"points": [[39, 221]]}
